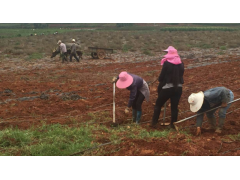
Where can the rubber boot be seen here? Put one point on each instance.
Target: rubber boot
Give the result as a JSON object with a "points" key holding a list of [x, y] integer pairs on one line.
{"points": [[134, 115], [212, 122], [220, 125], [139, 114]]}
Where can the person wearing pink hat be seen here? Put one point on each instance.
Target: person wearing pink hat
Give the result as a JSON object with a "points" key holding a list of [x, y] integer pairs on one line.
{"points": [[138, 92], [170, 85]]}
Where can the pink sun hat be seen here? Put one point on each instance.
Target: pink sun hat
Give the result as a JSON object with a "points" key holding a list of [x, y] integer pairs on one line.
{"points": [[125, 80], [172, 56], [170, 47], [171, 53]]}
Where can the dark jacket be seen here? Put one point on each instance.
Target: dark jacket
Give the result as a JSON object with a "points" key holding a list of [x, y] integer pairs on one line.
{"points": [[134, 87], [166, 74]]}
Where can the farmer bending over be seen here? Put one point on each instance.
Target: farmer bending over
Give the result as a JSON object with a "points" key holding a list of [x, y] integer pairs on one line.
{"points": [[63, 51], [212, 98], [138, 92]]}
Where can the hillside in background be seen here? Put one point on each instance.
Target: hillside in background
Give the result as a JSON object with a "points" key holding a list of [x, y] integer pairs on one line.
{"points": [[103, 25]]}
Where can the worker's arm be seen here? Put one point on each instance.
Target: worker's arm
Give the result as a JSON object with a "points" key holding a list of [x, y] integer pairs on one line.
{"points": [[133, 94], [225, 98], [163, 72]]}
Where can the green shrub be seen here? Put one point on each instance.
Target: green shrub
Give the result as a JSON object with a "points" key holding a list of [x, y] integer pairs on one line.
{"points": [[147, 52], [126, 48], [223, 48]]}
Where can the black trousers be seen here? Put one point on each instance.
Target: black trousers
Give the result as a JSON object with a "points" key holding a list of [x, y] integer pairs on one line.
{"points": [[137, 103], [73, 55], [163, 96]]}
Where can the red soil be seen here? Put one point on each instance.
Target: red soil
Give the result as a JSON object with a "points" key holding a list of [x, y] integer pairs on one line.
{"points": [[93, 82]]}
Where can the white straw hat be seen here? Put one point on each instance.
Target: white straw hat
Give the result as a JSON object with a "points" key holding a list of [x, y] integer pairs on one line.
{"points": [[196, 101], [59, 42], [73, 40]]}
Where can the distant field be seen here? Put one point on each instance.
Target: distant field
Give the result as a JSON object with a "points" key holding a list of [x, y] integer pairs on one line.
{"points": [[10, 33], [145, 38]]}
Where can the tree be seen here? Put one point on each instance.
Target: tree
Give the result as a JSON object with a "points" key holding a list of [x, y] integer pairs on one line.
{"points": [[40, 25], [124, 24]]}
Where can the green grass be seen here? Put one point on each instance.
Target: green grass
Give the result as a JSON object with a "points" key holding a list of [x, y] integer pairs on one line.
{"points": [[126, 48], [133, 131], [235, 137], [147, 52], [185, 28], [201, 45], [157, 134], [48, 140], [10, 33], [223, 47], [35, 56]]}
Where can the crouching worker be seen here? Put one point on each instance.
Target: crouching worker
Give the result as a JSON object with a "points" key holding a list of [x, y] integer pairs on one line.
{"points": [[138, 92], [209, 99]]}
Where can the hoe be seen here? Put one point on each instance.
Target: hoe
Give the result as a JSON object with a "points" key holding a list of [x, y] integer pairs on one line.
{"points": [[164, 114], [114, 124]]}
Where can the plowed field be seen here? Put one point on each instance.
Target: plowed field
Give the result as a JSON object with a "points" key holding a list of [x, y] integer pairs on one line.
{"points": [[58, 93]]}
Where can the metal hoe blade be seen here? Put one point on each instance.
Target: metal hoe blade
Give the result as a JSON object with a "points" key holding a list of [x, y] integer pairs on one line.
{"points": [[164, 114]]}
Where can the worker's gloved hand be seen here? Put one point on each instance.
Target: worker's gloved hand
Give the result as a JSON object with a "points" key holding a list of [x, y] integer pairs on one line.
{"points": [[114, 80], [224, 104], [198, 131], [126, 110]]}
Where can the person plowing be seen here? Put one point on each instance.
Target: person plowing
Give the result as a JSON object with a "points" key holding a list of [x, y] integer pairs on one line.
{"points": [[63, 51]]}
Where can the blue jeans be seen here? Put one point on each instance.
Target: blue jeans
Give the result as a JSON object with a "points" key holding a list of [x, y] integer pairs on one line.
{"points": [[222, 112]]}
